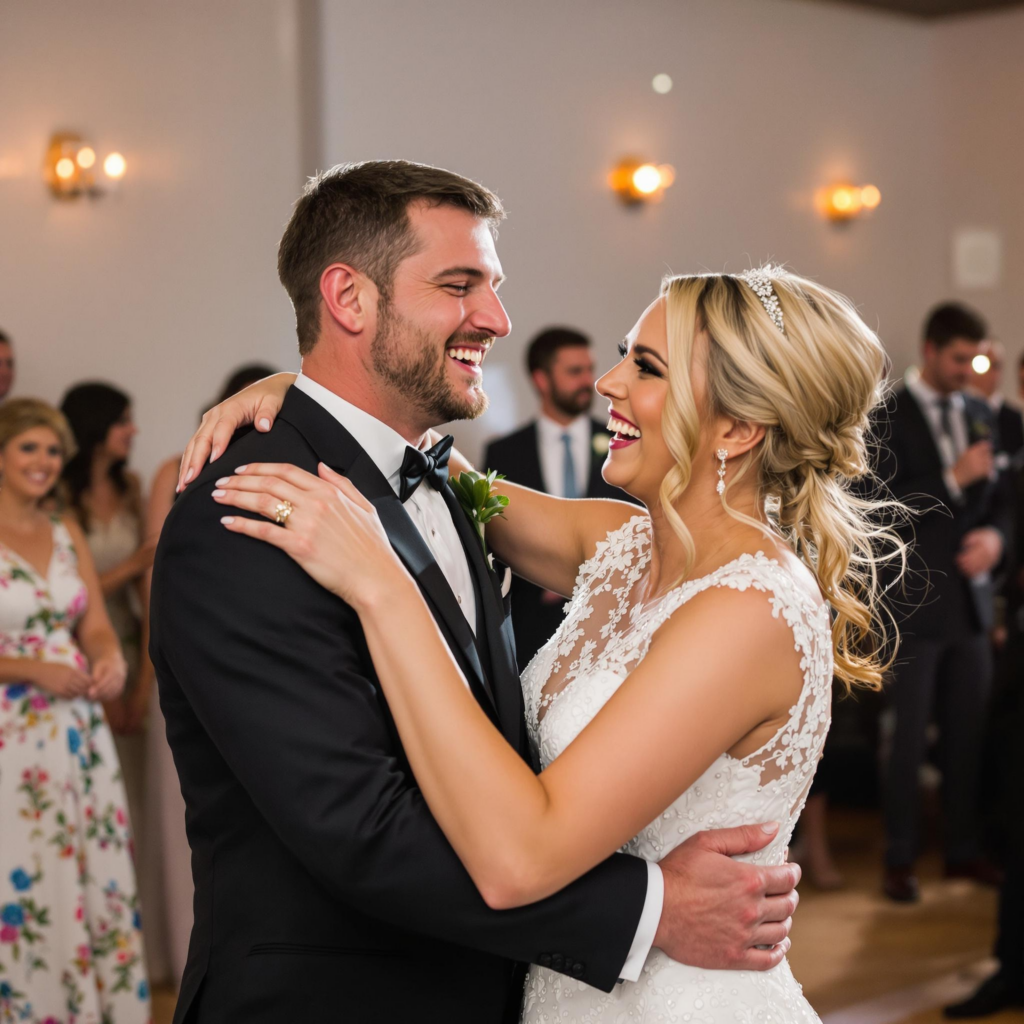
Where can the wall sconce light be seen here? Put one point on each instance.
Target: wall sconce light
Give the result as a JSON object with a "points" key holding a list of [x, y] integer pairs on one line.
{"points": [[639, 181], [70, 167], [842, 203]]}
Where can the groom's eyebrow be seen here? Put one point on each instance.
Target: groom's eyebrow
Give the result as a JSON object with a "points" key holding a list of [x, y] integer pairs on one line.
{"points": [[472, 272]]}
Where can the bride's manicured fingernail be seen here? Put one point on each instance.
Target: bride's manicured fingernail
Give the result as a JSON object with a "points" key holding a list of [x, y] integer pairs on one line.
{"points": [[219, 493], [188, 476], [768, 826], [241, 469], [223, 481], [214, 454], [227, 520], [264, 424]]}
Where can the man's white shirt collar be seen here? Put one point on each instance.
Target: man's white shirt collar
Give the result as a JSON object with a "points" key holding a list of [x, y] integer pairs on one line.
{"points": [[926, 394], [382, 443]]}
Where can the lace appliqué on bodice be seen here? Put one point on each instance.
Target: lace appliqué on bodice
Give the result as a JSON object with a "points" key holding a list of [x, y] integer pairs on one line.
{"points": [[606, 633]]}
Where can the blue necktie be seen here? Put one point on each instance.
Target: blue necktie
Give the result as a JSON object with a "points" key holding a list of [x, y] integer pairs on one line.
{"points": [[568, 469]]}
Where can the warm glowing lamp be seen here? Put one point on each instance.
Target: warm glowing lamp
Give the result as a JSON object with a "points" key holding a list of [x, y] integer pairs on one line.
{"points": [[870, 197], [69, 167], [845, 202], [981, 364], [114, 166], [639, 181]]}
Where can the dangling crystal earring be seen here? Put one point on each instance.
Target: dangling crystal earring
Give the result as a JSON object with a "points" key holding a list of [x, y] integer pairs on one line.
{"points": [[723, 455]]}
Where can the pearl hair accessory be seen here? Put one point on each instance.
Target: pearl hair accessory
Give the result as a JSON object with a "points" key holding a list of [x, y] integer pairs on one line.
{"points": [[723, 455], [760, 282]]}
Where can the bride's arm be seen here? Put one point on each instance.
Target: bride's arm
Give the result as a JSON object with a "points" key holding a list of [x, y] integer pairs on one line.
{"points": [[522, 837], [543, 538]]}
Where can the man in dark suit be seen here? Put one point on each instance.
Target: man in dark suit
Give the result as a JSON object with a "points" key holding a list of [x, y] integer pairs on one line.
{"points": [[937, 455], [324, 889], [561, 452]]}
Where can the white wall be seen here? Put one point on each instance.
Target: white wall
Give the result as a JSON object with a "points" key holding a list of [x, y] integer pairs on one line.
{"points": [[980, 94], [167, 286], [538, 99]]}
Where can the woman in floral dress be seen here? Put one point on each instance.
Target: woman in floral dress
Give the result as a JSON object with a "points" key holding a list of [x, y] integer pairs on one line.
{"points": [[70, 938]]}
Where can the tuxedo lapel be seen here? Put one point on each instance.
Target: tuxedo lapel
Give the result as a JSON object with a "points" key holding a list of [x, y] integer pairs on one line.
{"points": [[496, 633], [917, 423], [336, 447]]}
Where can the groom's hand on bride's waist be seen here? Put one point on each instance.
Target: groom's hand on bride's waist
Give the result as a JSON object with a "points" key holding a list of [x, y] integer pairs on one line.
{"points": [[719, 911]]}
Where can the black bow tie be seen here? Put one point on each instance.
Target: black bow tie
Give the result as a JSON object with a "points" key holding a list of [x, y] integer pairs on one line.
{"points": [[431, 465]]}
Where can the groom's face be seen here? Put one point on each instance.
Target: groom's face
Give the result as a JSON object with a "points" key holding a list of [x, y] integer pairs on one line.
{"points": [[442, 316]]}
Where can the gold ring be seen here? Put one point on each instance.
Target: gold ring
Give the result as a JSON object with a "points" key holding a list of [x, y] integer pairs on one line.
{"points": [[284, 509]]}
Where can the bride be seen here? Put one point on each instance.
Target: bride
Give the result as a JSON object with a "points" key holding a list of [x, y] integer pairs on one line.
{"points": [[689, 684]]}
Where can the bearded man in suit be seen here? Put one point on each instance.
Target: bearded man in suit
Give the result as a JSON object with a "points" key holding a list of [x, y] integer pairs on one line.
{"points": [[937, 454], [560, 452]]}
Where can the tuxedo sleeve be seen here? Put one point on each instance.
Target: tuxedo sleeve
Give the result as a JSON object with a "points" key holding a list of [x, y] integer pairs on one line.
{"points": [[278, 673]]}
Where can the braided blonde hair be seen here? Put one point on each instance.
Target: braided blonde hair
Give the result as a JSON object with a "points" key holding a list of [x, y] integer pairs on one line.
{"points": [[813, 388]]}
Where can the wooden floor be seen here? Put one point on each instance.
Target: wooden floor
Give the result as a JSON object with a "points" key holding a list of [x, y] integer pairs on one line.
{"points": [[863, 959]]}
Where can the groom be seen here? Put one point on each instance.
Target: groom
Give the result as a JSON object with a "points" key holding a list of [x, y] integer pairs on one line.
{"points": [[324, 889]]}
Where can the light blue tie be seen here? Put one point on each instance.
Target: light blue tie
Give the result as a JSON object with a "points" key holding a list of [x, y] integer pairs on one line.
{"points": [[568, 469]]}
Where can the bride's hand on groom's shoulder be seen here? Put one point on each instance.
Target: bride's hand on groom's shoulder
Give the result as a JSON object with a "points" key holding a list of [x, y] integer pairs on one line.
{"points": [[323, 522], [259, 403], [724, 914]]}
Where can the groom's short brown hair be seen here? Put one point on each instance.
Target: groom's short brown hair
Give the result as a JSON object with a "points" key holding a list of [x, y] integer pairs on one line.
{"points": [[357, 214]]}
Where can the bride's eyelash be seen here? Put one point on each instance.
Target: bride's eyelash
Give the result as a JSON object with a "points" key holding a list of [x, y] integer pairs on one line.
{"points": [[642, 364]]}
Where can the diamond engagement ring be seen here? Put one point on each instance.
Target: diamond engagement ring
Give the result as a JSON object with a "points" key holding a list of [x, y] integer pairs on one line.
{"points": [[284, 509]]}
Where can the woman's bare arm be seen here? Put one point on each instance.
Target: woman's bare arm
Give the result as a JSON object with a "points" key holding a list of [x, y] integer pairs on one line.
{"points": [[523, 837], [543, 538]]}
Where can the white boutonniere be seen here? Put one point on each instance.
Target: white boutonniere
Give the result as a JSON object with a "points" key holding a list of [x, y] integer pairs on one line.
{"points": [[599, 443]]}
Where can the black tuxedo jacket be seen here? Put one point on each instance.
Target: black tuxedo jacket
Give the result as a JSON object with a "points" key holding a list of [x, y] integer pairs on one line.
{"points": [[535, 617], [324, 890], [1011, 429], [936, 600]]}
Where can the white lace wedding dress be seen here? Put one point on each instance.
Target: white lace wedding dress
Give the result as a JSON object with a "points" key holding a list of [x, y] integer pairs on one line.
{"points": [[605, 634]]}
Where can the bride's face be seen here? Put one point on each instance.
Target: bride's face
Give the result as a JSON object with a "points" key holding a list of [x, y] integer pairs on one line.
{"points": [[636, 388]]}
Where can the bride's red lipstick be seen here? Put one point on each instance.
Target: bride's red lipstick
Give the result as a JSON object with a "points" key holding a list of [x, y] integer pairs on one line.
{"points": [[619, 440]]}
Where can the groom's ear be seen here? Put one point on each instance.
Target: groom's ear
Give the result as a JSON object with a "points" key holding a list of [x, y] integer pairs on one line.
{"points": [[350, 297]]}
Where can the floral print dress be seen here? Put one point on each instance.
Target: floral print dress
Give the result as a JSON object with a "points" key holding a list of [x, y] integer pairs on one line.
{"points": [[70, 929]]}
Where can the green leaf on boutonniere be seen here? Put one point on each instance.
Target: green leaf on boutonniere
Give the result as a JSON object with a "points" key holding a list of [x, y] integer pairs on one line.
{"points": [[475, 493], [980, 430]]}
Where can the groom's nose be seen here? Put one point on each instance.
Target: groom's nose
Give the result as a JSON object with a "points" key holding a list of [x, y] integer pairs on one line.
{"points": [[490, 315]]}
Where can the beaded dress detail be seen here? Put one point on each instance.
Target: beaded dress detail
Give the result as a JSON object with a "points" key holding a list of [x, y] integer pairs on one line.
{"points": [[606, 633]]}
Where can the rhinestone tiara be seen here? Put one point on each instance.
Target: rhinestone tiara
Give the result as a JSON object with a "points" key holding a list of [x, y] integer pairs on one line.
{"points": [[760, 282]]}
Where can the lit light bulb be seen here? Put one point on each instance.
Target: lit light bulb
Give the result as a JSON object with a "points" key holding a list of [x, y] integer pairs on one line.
{"points": [[662, 83], [65, 168], [86, 157], [114, 166], [981, 364], [647, 179], [870, 196], [842, 199]]}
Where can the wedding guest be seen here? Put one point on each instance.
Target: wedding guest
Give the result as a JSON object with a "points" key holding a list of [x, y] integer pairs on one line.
{"points": [[1009, 419], [6, 366], [1005, 989], [560, 452], [69, 920], [167, 895], [937, 455], [106, 499]]}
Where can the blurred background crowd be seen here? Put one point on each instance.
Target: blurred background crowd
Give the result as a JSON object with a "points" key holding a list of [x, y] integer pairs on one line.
{"points": [[873, 146]]}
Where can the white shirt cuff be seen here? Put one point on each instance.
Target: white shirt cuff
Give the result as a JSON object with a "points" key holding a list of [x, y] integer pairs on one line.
{"points": [[955, 491], [647, 929]]}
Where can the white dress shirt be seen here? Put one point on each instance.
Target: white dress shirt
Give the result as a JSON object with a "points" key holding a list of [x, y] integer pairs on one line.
{"points": [[949, 449], [427, 509], [552, 453]]}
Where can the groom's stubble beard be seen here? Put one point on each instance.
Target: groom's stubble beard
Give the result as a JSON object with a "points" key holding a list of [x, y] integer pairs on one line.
{"points": [[408, 360]]}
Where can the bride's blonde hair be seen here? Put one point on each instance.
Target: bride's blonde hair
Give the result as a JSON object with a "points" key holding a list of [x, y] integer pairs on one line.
{"points": [[813, 388]]}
